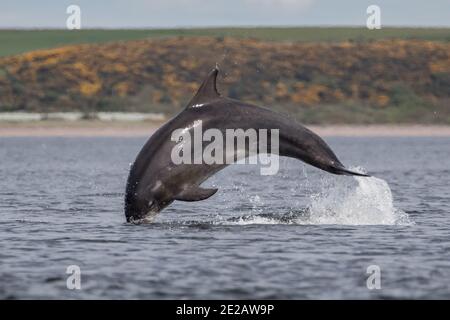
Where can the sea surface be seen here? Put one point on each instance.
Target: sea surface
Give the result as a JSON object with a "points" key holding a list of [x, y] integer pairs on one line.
{"points": [[300, 234]]}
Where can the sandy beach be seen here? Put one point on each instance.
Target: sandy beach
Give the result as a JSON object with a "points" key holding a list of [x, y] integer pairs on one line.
{"points": [[146, 128]]}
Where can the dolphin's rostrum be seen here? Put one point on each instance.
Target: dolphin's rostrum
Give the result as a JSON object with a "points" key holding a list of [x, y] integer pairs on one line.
{"points": [[155, 181]]}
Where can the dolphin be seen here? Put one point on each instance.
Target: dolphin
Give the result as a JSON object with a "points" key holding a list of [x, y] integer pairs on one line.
{"points": [[155, 181]]}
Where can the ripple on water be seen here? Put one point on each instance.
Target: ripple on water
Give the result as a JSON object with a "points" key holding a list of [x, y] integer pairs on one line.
{"points": [[300, 234]]}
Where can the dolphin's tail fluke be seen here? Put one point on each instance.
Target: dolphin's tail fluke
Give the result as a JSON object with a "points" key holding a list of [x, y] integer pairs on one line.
{"points": [[344, 171]]}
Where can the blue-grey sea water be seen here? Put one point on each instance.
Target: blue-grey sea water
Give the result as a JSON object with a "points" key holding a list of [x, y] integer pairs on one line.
{"points": [[300, 234]]}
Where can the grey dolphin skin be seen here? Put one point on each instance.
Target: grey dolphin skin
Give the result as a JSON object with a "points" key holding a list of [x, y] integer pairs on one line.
{"points": [[155, 181]]}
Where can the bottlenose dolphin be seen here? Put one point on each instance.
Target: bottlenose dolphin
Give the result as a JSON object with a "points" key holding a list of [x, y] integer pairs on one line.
{"points": [[155, 181]]}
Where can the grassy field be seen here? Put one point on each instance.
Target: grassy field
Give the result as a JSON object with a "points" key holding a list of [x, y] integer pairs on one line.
{"points": [[19, 41]]}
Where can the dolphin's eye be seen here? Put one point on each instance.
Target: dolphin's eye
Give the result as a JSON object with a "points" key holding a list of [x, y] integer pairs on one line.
{"points": [[154, 205]]}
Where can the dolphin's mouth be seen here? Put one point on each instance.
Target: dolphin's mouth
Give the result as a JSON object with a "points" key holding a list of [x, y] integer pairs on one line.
{"points": [[147, 217]]}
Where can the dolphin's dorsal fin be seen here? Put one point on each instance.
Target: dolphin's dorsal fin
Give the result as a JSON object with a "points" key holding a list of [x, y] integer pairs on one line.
{"points": [[195, 194], [207, 91]]}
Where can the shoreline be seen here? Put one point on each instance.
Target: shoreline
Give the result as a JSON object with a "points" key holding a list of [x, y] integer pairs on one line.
{"points": [[146, 128]]}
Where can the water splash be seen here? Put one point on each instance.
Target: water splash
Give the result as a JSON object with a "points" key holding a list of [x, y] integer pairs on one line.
{"points": [[341, 201], [355, 201]]}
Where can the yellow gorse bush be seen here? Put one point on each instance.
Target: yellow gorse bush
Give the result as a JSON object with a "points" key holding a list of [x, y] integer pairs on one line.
{"points": [[167, 72]]}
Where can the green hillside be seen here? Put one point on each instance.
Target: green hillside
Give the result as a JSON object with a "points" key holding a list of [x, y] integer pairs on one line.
{"points": [[20, 41]]}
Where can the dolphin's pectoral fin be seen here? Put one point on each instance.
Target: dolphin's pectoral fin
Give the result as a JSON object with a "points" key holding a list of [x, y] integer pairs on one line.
{"points": [[207, 91], [195, 194]]}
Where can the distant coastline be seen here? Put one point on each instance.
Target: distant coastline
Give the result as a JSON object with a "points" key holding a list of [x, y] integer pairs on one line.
{"points": [[15, 117], [115, 128], [399, 77]]}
